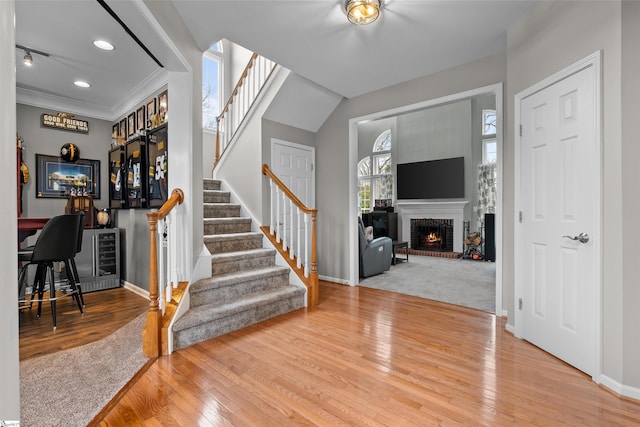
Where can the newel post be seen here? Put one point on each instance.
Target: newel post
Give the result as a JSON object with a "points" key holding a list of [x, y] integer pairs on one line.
{"points": [[151, 333], [314, 291]]}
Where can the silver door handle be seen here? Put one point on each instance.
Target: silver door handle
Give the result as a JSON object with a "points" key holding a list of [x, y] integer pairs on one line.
{"points": [[582, 237]]}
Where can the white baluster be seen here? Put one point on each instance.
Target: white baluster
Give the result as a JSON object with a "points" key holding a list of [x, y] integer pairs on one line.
{"points": [[298, 263], [284, 221], [291, 239], [272, 200], [161, 267], [306, 245], [278, 229], [167, 248]]}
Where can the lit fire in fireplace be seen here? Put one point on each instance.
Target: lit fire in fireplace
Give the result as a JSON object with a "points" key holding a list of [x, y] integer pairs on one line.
{"points": [[432, 239]]}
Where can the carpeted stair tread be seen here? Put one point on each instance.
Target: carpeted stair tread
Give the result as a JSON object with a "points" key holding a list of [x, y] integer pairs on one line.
{"points": [[230, 262], [211, 312], [211, 184], [227, 225], [236, 278], [216, 196], [220, 210], [233, 242]]}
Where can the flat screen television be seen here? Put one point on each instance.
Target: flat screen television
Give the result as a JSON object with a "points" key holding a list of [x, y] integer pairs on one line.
{"points": [[432, 179]]}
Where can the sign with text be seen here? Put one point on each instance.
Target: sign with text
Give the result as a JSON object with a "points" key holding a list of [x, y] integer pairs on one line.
{"points": [[65, 121]]}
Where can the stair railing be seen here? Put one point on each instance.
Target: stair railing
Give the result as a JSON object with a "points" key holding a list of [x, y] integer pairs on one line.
{"points": [[289, 213], [160, 289], [249, 86]]}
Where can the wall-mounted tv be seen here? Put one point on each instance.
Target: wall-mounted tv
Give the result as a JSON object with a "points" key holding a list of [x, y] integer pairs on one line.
{"points": [[432, 179]]}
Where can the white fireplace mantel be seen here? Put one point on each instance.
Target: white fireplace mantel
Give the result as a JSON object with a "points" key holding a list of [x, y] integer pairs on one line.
{"points": [[436, 210]]}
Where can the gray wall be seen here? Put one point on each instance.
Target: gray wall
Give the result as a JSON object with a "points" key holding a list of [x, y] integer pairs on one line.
{"points": [[332, 142], [562, 33], [39, 140], [630, 200]]}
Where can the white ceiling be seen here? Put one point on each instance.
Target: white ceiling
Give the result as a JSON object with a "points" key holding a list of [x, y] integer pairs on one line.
{"points": [[412, 38]]}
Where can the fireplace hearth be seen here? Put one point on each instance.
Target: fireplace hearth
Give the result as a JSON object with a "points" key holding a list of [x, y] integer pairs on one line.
{"points": [[431, 234]]}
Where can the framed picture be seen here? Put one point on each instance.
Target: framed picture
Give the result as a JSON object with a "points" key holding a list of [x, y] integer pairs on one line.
{"points": [[115, 130], [59, 179], [163, 106], [141, 118], [151, 112], [131, 124], [123, 129]]}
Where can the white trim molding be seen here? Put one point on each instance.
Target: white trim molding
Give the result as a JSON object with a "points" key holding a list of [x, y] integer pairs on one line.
{"points": [[433, 210]]}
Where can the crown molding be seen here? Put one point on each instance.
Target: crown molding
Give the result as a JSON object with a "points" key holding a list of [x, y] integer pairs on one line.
{"points": [[140, 93], [137, 96], [60, 103]]}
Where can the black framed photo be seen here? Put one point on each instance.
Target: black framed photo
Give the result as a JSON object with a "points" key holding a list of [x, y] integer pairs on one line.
{"points": [[131, 126], [163, 106], [141, 118], [56, 178], [123, 128], [151, 112], [115, 131]]}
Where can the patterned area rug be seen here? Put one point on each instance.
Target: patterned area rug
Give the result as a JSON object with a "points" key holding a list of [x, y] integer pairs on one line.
{"points": [[70, 387], [456, 281]]}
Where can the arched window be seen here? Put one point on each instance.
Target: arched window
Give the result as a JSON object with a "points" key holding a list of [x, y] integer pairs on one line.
{"points": [[375, 174]]}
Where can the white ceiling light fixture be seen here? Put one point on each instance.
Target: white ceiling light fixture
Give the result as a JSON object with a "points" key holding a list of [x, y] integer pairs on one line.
{"points": [[361, 12], [81, 83], [103, 44]]}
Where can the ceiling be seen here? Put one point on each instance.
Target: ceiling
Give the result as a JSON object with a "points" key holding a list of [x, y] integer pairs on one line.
{"points": [[412, 38]]}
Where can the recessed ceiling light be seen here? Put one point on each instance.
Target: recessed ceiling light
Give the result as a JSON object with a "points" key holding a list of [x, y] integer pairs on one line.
{"points": [[104, 45], [81, 83]]}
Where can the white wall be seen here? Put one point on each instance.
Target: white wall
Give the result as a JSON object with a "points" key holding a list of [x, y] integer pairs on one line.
{"points": [[9, 356]]}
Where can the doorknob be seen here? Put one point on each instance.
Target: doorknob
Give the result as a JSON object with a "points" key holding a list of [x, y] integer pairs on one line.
{"points": [[582, 237]]}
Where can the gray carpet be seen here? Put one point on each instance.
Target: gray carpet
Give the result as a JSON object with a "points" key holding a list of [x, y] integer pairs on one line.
{"points": [[70, 387], [456, 281]]}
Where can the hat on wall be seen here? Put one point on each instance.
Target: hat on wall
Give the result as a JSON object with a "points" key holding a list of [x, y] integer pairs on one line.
{"points": [[70, 152]]}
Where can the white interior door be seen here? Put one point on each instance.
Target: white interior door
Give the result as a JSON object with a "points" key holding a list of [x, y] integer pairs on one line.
{"points": [[293, 164], [560, 200]]}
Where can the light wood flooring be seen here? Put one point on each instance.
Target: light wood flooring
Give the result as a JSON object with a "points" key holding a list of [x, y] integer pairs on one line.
{"points": [[368, 357], [105, 312]]}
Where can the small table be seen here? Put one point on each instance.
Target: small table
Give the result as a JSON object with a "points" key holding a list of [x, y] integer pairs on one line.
{"points": [[396, 244]]}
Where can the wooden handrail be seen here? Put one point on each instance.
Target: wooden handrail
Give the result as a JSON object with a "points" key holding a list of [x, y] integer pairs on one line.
{"points": [[151, 335], [234, 92], [283, 187], [313, 280]]}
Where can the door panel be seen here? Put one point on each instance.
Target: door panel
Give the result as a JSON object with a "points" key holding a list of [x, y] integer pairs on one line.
{"points": [[558, 154]]}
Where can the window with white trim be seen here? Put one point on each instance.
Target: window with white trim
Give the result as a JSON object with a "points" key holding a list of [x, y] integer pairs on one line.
{"points": [[375, 173], [212, 61]]}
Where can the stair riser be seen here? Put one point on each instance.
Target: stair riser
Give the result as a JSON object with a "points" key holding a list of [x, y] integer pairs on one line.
{"points": [[217, 197], [219, 268], [230, 228], [209, 184], [236, 321], [237, 290], [221, 211], [234, 245]]}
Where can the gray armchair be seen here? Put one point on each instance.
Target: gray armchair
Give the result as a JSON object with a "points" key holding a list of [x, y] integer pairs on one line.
{"points": [[375, 256]]}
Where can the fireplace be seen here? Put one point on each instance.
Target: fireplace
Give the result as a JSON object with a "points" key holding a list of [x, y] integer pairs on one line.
{"points": [[431, 234]]}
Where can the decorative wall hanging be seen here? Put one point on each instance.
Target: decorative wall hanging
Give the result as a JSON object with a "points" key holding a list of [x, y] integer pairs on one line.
{"points": [[59, 179], [64, 121]]}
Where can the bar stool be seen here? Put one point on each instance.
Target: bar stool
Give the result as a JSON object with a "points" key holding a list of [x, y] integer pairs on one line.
{"points": [[57, 242]]}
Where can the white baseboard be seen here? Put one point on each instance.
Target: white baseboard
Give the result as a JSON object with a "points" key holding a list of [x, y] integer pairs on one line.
{"points": [[335, 280], [621, 389], [510, 328], [135, 289]]}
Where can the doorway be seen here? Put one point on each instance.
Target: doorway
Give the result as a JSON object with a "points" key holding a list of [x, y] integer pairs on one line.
{"points": [[558, 157], [496, 91]]}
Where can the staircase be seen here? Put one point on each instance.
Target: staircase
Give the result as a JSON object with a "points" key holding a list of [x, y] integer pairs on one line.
{"points": [[245, 287]]}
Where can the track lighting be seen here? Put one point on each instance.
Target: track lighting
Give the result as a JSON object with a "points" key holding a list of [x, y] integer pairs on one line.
{"points": [[28, 59]]}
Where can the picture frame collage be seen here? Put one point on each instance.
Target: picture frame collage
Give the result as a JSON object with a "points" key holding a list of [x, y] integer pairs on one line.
{"points": [[147, 116]]}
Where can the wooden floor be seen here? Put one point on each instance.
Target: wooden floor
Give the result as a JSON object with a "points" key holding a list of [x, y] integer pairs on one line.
{"points": [[104, 312], [368, 357]]}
